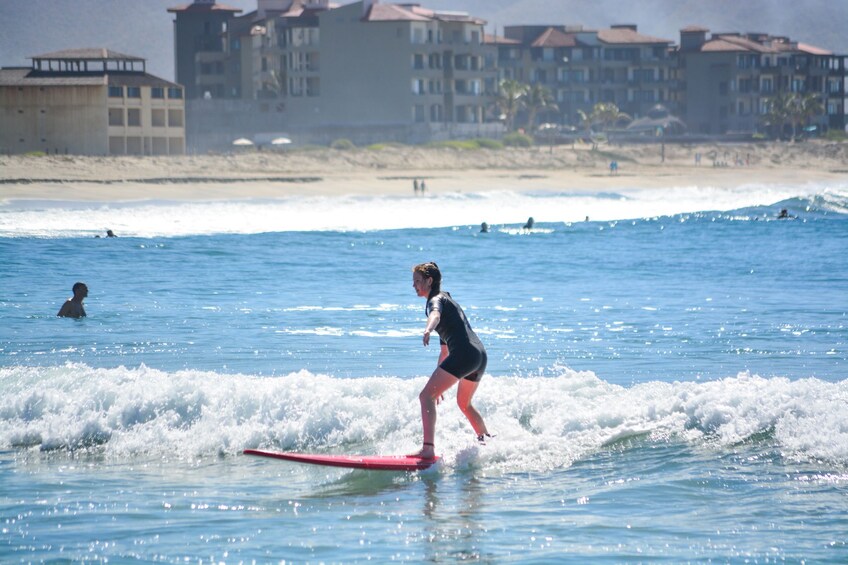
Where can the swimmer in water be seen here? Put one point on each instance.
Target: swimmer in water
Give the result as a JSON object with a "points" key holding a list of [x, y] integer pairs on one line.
{"points": [[72, 308]]}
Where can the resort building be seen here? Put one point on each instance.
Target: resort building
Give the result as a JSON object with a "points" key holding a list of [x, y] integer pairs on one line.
{"points": [[367, 71], [403, 65], [727, 81], [583, 67], [201, 62], [90, 102]]}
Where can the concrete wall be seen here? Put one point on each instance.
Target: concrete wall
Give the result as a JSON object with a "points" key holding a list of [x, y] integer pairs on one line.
{"points": [[84, 120], [54, 119], [366, 70]]}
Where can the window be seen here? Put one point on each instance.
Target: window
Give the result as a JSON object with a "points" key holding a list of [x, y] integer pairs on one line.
{"points": [[175, 118], [133, 92], [157, 118], [418, 61], [175, 93], [157, 92], [116, 92], [116, 116], [419, 113], [643, 75], [133, 117], [766, 85]]}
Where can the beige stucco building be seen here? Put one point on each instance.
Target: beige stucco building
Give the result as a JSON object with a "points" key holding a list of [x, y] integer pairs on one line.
{"points": [[90, 102]]}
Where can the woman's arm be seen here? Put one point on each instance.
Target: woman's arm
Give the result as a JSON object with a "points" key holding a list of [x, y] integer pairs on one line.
{"points": [[432, 322]]}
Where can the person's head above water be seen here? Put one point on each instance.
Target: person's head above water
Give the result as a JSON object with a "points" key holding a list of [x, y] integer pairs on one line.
{"points": [[427, 279], [79, 288]]}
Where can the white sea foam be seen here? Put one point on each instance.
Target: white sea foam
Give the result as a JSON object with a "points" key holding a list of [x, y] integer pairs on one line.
{"points": [[541, 423], [506, 209]]}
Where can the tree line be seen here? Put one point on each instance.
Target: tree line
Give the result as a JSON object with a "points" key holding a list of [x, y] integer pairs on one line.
{"points": [[785, 109]]}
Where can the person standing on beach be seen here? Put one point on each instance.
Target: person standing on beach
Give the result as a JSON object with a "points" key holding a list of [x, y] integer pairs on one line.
{"points": [[462, 358], [72, 308]]}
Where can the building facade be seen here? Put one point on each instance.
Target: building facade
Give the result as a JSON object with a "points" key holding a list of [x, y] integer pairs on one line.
{"points": [[728, 80], [391, 64], [365, 70], [584, 67], [90, 102], [201, 60], [383, 71]]}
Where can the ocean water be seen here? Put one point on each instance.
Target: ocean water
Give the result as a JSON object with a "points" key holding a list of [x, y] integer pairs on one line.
{"points": [[667, 378]]}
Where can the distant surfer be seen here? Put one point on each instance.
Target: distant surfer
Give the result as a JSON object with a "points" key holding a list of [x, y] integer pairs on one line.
{"points": [[72, 308], [529, 225], [462, 358], [784, 215]]}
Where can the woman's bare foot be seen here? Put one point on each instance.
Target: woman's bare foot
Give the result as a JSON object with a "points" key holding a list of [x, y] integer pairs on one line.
{"points": [[427, 451]]}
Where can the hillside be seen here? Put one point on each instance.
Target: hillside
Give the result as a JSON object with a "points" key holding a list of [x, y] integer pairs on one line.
{"points": [[144, 28]]}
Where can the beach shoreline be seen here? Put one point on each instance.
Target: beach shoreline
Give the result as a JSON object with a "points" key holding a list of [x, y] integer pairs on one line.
{"points": [[393, 169]]}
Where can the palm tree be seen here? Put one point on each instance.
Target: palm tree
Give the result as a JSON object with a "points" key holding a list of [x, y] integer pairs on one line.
{"points": [[511, 99], [779, 112], [608, 115], [586, 123], [605, 114], [806, 107], [538, 98]]}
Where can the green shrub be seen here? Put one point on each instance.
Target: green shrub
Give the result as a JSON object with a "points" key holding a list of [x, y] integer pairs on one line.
{"points": [[456, 144], [516, 139], [380, 146], [835, 135], [489, 143], [342, 144]]}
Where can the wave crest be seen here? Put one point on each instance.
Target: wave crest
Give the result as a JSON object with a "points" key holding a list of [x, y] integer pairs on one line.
{"points": [[542, 423]]}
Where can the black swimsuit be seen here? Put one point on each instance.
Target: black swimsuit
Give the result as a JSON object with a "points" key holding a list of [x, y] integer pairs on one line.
{"points": [[466, 355]]}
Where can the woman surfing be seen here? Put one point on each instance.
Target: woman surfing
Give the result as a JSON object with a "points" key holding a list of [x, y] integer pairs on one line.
{"points": [[462, 358]]}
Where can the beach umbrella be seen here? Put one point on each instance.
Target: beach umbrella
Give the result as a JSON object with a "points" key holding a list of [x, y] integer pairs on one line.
{"points": [[242, 141], [281, 141]]}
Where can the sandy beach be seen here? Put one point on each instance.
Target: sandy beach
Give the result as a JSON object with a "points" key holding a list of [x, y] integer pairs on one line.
{"points": [[392, 169]]}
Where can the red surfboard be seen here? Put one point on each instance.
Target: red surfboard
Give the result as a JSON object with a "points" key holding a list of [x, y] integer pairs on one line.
{"points": [[371, 462]]}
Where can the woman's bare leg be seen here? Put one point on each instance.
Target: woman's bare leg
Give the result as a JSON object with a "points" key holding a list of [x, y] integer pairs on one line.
{"points": [[439, 382], [463, 399]]}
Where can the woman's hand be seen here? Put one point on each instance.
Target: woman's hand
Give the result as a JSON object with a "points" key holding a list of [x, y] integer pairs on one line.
{"points": [[432, 321]]}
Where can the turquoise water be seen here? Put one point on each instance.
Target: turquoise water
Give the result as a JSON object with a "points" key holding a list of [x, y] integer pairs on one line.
{"points": [[667, 380]]}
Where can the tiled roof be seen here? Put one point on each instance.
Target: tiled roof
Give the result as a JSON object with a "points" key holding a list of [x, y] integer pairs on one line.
{"points": [[553, 37], [393, 13], [203, 7], [139, 79], [813, 50], [731, 42], [97, 53], [627, 35], [20, 77], [414, 13], [25, 76], [498, 40]]}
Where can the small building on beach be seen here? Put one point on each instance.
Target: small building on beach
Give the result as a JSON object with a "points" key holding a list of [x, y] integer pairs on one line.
{"points": [[90, 102]]}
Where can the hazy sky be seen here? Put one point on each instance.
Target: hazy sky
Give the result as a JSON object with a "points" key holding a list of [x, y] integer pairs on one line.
{"points": [[144, 27]]}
